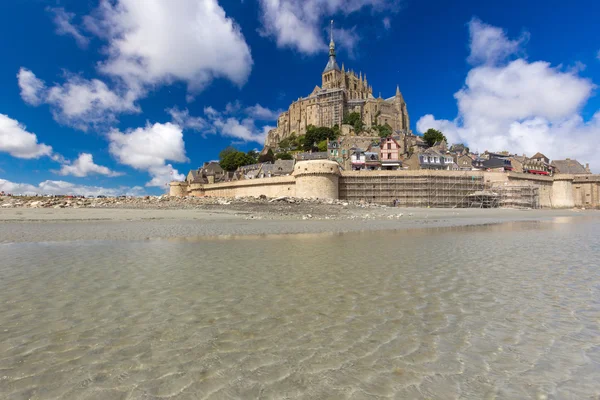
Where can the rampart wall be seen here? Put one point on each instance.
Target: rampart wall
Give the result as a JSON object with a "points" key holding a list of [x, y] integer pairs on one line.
{"points": [[422, 188]]}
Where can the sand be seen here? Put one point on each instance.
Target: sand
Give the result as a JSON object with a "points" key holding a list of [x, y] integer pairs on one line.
{"points": [[48, 225]]}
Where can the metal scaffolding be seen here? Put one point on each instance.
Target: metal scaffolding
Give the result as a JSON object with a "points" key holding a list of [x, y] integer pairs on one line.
{"points": [[424, 190], [436, 190]]}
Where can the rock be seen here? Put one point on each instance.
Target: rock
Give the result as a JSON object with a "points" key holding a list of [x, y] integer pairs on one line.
{"points": [[280, 198], [35, 204]]}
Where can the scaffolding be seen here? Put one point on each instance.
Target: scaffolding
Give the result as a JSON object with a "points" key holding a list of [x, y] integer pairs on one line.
{"points": [[436, 190], [423, 190]]}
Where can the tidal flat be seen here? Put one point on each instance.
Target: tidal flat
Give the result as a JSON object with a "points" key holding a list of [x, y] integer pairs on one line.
{"points": [[195, 304]]}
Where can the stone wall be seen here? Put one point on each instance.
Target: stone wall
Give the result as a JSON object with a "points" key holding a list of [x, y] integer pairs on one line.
{"points": [[270, 187], [586, 191], [323, 179]]}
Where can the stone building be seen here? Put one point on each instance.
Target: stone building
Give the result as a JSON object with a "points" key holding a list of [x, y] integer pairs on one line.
{"points": [[342, 91]]}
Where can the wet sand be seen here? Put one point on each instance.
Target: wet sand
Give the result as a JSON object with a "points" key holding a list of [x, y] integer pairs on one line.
{"points": [[48, 225]]}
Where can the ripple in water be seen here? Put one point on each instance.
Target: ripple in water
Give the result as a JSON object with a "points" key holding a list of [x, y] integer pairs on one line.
{"points": [[508, 311]]}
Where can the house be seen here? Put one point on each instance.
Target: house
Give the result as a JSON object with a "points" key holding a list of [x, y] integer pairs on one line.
{"points": [[279, 168], [517, 162], [372, 160], [433, 159], [318, 155], [464, 162], [334, 150], [441, 146], [249, 171], [210, 172], [569, 166], [496, 164], [357, 158], [390, 151], [540, 157], [459, 149]]}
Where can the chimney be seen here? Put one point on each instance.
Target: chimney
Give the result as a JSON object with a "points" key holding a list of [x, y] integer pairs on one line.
{"points": [[587, 168]]}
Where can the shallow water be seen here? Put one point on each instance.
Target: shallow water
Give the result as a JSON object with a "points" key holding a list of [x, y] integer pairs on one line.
{"points": [[507, 311]]}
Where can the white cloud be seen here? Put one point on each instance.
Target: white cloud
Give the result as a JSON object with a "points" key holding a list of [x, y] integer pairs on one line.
{"points": [[149, 148], [153, 43], [84, 166], [489, 44], [62, 20], [185, 120], [78, 102], [298, 23], [32, 89], [67, 188], [239, 123], [262, 113], [244, 129], [16, 141], [520, 106]]}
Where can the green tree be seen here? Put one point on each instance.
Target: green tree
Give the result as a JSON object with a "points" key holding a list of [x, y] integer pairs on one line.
{"points": [[351, 118], [285, 144], [432, 136], [269, 157], [315, 135], [254, 154], [322, 146], [284, 156], [383, 130], [227, 150], [233, 160]]}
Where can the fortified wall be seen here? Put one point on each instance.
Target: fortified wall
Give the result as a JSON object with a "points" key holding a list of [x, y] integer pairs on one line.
{"points": [[424, 188]]}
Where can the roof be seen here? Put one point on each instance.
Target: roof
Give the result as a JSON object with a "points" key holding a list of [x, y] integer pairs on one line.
{"points": [[539, 155], [496, 163], [320, 155], [281, 167], [569, 167]]}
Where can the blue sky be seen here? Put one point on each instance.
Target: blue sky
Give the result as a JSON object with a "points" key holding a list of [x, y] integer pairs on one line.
{"points": [[119, 96]]}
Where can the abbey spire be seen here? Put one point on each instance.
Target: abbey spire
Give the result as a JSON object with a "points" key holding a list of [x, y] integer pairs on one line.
{"points": [[331, 64]]}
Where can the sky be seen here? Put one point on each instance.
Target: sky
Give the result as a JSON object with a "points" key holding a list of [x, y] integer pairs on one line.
{"points": [[122, 96]]}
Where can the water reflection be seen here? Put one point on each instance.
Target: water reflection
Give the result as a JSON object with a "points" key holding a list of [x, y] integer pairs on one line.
{"points": [[506, 311]]}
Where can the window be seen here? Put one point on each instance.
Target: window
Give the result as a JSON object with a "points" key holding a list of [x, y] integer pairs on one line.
{"points": [[389, 146], [389, 156]]}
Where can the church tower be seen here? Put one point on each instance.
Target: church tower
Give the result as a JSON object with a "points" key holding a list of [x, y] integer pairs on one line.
{"points": [[331, 77]]}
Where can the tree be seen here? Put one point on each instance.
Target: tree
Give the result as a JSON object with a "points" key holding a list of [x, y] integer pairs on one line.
{"points": [[227, 150], [322, 146], [315, 135], [284, 156], [269, 157], [432, 136], [233, 160], [383, 130], [351, 118], [254, 154], [355, 120], [285, 144]]}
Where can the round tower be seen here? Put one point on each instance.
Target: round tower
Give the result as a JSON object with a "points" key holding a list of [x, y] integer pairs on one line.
{"points": [[562, 191], [178, 189], [317, 179]]}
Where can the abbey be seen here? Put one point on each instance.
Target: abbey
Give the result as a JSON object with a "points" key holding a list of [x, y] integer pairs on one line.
{"points": [[341, 92]]}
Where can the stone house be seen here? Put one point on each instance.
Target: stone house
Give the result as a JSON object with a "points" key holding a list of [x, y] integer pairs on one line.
{"points": [[210, 172], [569, 166], [358, 159], [279, 168], [390, 152], [464, 162], [433, 159], [317, 155], [372, 160]]}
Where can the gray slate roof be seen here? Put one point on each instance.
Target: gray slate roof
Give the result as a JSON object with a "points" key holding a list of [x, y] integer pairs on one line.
{"points": [[569, 167]]}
